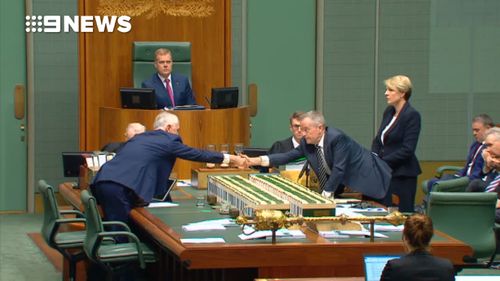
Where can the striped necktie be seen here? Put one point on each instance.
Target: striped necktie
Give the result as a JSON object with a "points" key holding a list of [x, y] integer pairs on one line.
{"points": [[322, 171], [493, 186]]}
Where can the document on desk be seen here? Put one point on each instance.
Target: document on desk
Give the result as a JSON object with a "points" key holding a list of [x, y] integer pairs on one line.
{"points": [[186, 182], [162, 205], [332, 234], [217, 224], [283, 233], [389, 227], [362, 233], [202, 240]]}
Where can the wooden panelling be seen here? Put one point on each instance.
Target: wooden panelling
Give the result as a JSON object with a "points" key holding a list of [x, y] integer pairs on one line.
{"points": [[106, 59], [198, 128]]}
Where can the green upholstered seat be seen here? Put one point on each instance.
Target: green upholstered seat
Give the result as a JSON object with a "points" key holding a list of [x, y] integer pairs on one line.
{"points": [[112, 257], [467, 216], [440, 171], [451, 185], [69, 244], [143, 57]]}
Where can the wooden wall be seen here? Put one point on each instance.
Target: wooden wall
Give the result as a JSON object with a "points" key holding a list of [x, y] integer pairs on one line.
{"points": [[105, 59]]}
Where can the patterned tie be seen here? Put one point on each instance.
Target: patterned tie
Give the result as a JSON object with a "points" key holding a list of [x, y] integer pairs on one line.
{"points": [[322, 171], [492, 187], [170, 92]]}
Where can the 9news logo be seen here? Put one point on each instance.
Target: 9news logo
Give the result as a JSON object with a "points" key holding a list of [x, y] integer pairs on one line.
{"points": [[56, 24]]}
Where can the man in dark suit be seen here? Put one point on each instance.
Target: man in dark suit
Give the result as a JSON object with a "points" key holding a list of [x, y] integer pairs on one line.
{"points": [[171, 89], [336, 159], [294, 140], [142, 168]]}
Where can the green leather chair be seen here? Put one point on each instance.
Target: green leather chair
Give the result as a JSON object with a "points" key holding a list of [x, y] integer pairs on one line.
{"points": [[469, 217], [445, 187], [114, 258], [143, 58], [69, 244]]}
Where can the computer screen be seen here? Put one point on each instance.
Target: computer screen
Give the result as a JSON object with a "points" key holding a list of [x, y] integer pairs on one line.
{"points": [[374, 265], [224, 98], [72, 162], [138, 98]]}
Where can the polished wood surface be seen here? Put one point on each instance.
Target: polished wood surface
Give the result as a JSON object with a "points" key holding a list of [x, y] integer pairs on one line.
{"points": [[318, 257], [105, 59], [198, 128]]}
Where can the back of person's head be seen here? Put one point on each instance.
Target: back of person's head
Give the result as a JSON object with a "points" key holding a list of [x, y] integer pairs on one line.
{"points": [[134, 129], [401, 83], [418, 232], [162, 51], [485, 119], [164, 119], [316, 117]]}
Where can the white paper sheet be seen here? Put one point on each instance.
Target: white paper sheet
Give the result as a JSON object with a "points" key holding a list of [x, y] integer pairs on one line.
{"points": [[202, 240], [162, 205]]}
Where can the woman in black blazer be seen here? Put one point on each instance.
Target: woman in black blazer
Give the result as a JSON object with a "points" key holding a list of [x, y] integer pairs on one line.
{"points": [[419, 263], [396, 142]]}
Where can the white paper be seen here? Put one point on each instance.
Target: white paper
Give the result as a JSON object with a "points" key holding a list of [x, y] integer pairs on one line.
{"points": [[184, 182], [346, 200], [332, 234], [389, 227], [362, 233], [202, 240], [162, 205], [217, 224]]}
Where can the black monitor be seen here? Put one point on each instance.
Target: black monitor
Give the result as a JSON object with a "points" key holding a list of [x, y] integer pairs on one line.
{"points": [[255, 152], [224, 98], [138, 98], [72, 162]]}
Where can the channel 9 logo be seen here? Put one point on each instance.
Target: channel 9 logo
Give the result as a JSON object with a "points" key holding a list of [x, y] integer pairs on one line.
{"points": [[56, 24]]}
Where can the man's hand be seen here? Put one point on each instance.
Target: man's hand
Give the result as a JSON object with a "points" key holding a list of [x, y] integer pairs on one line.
{"points": [[252, 161], [327, 194], [238, 161]]}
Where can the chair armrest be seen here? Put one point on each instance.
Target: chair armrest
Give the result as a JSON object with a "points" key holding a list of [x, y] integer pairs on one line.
{"points": [[134, 239], [72, 212], [118, 223], [59, 222], [452, 185], [441, 170]]}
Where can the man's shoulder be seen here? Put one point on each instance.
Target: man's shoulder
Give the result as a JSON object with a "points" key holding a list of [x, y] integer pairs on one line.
{"points": [[151, 80], [179, 77]]}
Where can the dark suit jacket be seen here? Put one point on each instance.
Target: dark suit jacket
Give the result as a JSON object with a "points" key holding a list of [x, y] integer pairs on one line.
{"points": [[183, 95], [477, 163], [145, 162], [282, 146], [113, 147], [350, 164], [418, 266], [400, 142]]}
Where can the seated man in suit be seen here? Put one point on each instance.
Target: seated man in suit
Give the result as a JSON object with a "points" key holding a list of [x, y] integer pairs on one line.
{"points": [[337, 160], [474, 164], [293, 141], [131, 130], [171, 89], [142, 168], [419, 263]]}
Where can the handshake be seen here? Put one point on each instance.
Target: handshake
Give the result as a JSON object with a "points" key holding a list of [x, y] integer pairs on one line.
{"points": [[243, 161]]}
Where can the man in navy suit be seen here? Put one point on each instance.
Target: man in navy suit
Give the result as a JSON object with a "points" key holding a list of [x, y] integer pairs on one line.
{"points": [[171, 89], [293, 141], [345, 162], [142, 168]]}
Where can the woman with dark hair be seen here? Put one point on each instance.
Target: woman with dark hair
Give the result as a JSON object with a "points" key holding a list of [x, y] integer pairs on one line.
{"points": [[397, 140], [419, 263]]}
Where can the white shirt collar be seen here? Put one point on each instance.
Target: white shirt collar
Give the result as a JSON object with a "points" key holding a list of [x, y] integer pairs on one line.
{"points": [[165, 80], [322, 141], [295, 143]]}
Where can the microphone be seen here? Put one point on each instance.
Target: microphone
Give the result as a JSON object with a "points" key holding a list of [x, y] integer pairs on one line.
{"points": [[208, 101], [305, 169]]}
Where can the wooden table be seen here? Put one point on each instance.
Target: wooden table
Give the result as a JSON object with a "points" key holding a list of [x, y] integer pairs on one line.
{"points": [[313, 256]]}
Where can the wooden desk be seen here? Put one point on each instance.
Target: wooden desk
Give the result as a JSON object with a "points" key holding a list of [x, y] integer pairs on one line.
{"points": [[198, 128], [239, 260]]}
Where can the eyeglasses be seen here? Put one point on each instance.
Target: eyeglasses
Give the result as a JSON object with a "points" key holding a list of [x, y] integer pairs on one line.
{"points": [[296, 127]]}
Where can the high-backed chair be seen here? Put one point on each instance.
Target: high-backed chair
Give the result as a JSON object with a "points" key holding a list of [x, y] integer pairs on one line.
{"points": [[469, 217], [143, 57], [114, 258], [69, 244]]}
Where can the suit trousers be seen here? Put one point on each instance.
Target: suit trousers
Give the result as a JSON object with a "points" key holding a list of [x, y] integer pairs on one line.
{"points": [[115, 199], [405, 188]]}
